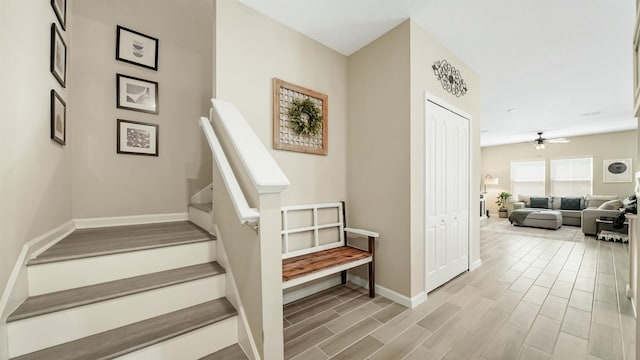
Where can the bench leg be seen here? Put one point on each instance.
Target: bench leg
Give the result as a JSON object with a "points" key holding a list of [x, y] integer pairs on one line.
{"points": [[372, 269], [372, 282], [343, 276]]}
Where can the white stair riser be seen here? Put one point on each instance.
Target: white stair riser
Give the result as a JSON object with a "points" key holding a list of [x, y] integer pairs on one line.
{"points": [[47, 330], [193, 345], [64, 275], [200, 218]]}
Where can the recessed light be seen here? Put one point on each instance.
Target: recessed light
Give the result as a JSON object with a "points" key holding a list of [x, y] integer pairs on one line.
{"points": [[510, 110]]}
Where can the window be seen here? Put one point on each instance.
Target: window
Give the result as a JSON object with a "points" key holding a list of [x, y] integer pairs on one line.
{"points": [[527, 178], [571, 176]]}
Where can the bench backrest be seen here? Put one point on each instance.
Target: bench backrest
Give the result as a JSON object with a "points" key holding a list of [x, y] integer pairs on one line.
{"points": [[310, 228]]}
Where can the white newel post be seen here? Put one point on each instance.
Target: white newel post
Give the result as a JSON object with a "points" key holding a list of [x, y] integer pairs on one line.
{"points": [[271, 249]]}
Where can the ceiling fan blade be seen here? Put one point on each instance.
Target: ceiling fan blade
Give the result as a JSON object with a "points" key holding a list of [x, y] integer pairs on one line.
{"points": [[558, 140]]}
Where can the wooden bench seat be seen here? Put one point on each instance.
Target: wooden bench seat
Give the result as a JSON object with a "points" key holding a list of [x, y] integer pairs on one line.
{"points": [[319, 260]]}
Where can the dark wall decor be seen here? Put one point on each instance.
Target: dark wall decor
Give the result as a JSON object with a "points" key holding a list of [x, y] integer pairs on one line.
{"points": [[300, 119], [136, 48], [137, 138], [58, 119], [137, 94], [450, 78], [60, 9], [58, 56]]}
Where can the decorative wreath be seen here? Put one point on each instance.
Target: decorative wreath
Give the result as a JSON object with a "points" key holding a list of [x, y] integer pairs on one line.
{"points": [[299, 125]]}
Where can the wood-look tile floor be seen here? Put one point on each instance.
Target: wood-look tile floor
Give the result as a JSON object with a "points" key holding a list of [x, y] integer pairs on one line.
{"points": [[534, 297]]}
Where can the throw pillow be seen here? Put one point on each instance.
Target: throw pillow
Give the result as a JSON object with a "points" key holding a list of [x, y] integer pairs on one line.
{"points": [[611, 205], [526, 199], [594, 201], [539, 202], [570, 203]]}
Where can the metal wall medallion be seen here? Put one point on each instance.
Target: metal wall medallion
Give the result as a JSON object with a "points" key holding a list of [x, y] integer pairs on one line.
{"points": [[450, 78]]}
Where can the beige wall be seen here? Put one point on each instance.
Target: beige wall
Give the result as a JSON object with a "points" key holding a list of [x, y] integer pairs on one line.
{"points": [[109, 184], [425, 50], [35, 172], [251, 50], [388, 80], [496, 160], [379, 152]]}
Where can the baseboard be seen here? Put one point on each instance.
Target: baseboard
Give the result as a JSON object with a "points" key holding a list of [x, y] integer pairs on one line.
{"points": [[476, 264], [245, 340], [410, 302], [301, 291], [129, 220], [35, 246], [16, 290]]}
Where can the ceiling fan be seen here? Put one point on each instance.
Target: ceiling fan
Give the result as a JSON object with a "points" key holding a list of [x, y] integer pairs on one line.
{"points": [[540, 141]]}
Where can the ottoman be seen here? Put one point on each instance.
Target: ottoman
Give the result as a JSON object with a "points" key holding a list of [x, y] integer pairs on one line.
{"points": [[546, 219]]}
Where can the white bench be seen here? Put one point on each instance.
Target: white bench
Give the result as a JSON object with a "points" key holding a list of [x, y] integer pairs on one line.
{"points": [[314, 245]]}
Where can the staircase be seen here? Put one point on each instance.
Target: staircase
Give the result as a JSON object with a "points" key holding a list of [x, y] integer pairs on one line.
{"points": [[150, 291]]}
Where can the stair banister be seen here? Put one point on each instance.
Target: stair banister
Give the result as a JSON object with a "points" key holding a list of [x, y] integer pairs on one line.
{"points": [[246, 215], [266, 175], [253, 260]]}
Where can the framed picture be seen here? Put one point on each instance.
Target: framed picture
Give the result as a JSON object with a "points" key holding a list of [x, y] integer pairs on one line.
{"points": [[136, 48], [137, 138], [300, 119], [137, 94], [58, 56], [58, 118], [616, 170], [60, 9]]}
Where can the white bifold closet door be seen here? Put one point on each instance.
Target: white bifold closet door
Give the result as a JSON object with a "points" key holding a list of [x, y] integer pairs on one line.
{"points": [[446, 194]]}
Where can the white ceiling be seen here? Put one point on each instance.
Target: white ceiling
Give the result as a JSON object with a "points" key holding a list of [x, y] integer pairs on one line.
{"points": [[565, 66]]}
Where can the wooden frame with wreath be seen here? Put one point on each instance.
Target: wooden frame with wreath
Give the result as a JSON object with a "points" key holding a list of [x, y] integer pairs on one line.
{"points": [[300, 119]]}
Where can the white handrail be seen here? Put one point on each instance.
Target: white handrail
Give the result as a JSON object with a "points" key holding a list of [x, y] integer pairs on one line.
{"points": [[247, 215], [263, 170]]}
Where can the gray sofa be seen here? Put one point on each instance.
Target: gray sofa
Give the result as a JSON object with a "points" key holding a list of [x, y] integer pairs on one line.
{"points": [[591, 207], [569, 217]]}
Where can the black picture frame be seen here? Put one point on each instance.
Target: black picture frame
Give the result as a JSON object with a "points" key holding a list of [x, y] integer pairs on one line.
{"points": [[136, 48], [137, 94], [137, 138], [60, 9], [58, 63], [58, 118]]}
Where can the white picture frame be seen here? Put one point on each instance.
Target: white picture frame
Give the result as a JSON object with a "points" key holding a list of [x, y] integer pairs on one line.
{"points": [[617, 170]]}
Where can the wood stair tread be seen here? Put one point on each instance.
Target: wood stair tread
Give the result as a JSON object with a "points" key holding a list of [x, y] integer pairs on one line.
{"points": [[233, 352], [206, 207], [129, 338], [85, 243], [67, 299], [306, 264]]}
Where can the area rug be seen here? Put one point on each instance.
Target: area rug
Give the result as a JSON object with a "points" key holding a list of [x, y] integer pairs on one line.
{"points": [[504, 226], [607, 235]]}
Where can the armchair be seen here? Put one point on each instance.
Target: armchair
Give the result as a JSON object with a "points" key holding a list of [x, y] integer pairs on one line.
{"points": [[589, 217]]}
